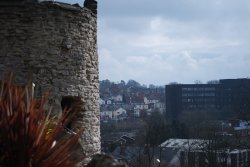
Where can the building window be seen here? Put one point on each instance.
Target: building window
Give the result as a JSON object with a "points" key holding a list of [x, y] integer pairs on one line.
{"points": [[210, 94], [184, 89], [71, 103], [209, 89]]}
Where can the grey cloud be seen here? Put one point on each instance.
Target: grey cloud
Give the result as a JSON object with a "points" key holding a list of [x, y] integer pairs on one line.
{"points": [[173, 40], [181, 9], [182, 67]]}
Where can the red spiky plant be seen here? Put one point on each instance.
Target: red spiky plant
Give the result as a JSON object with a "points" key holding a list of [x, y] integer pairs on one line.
{"points": [[24, 127]]}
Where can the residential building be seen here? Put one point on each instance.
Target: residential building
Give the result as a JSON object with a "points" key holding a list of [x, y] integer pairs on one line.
{"points": [[137, 113], [240, 127], [149, 100], [101, 101], [106, 115], [117, 98], [160, 106], [109, 102], [119, 114], [140, 107], [113, 113]]}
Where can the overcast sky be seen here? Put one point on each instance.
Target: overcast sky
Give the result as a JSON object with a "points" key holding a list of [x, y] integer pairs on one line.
{"points": [[162, 41]]}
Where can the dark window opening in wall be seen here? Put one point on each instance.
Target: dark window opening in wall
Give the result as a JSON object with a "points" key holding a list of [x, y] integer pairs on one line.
{"points": [[73, 104]]}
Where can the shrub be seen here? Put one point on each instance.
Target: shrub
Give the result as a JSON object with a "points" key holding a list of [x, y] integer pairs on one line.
{"points": [[24, 127]]}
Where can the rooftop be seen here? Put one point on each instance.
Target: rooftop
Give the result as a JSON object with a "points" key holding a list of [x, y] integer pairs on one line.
{"points": [[184, 143]]}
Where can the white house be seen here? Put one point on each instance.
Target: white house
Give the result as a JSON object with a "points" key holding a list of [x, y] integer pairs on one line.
{"points": [[137, 113], [113, 113], [101, 102], [117, 98], [106, 115], [140, 107], [160, 106], [148, 100], [119, 114], [243, 127], [109, 101]]}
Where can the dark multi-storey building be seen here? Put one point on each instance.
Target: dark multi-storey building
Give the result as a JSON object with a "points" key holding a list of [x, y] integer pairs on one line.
{"points": [[227, 94]]}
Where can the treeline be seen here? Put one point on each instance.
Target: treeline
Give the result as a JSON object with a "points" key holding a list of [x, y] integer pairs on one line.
{"points": [[108, 87]]}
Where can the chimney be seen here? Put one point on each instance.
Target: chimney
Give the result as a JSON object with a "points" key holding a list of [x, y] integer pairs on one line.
{"points": [[91, 4]]}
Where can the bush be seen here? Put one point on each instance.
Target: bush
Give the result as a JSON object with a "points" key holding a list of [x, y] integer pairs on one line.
{"points": [[24, 127]]}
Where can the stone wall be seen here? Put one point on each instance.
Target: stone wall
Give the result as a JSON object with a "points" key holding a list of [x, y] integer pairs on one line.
{"points": [[55, 45]]}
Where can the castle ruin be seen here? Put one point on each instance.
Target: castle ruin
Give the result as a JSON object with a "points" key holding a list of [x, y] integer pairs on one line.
{"points": [[55, 45]]}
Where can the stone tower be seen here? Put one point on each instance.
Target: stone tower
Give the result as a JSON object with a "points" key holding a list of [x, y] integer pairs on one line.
{"points": [[55, 45]]}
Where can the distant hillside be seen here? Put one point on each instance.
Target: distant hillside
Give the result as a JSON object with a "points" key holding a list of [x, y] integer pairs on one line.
{"points": [[130, 89]]}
